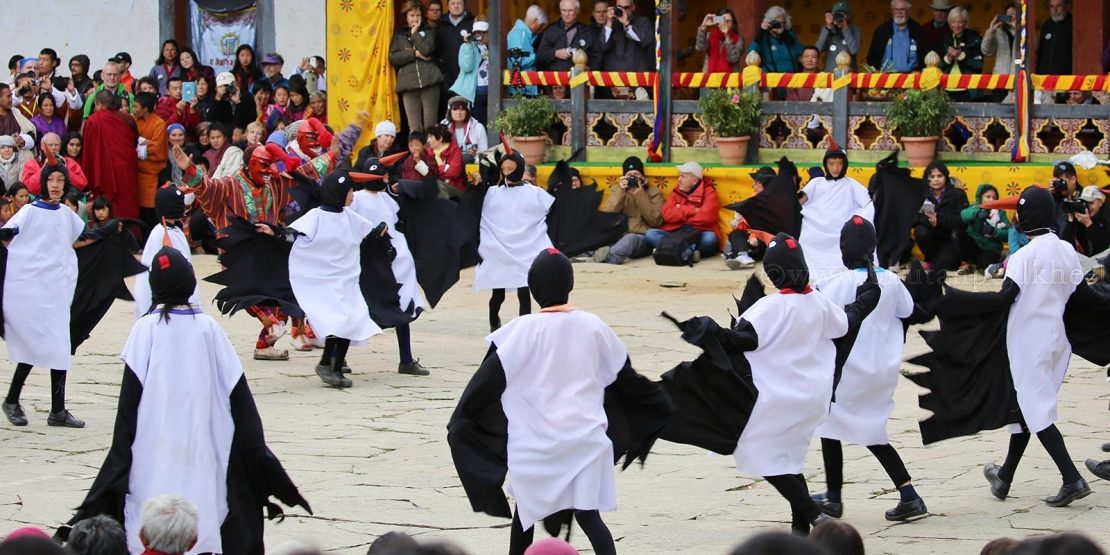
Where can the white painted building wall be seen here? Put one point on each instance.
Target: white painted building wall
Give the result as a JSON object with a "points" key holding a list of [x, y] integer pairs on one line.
{"points": [[101, 28], [96, 28]]}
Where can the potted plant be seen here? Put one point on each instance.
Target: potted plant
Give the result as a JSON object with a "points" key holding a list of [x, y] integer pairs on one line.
{"points": [[919, 118], [733, 116], [526, 123]]}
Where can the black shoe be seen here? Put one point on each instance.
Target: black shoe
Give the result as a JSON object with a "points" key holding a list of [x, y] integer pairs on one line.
{"points": [[413, 369], [1100, 469], [15, 414], [835, 510], [999, 487], [1068, 493], [907, 510], [1106, 447], [64, 419], [330, 377], [345, 369]]}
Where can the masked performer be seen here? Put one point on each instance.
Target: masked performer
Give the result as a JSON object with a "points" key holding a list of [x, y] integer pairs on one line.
{"points": [[188, 426], [555, 418], [827, 202], [169, 210]]}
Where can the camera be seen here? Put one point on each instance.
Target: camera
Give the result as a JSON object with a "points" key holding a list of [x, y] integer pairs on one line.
{"points": [[1077, 206], [231, 89], [517, 53], [718, 19], [776, 24], [617, 11], [1004, 18], [839, 17], [632, 182], [21, 91], [1059, 187]]}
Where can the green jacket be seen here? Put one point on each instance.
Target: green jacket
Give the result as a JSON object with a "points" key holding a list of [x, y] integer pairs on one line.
{"points": [[121, 89], [988, 237]]}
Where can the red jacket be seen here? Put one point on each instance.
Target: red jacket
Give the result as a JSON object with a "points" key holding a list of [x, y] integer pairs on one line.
{"points": [[167, 110], [408, 167], [452, 169], [697, 209]]}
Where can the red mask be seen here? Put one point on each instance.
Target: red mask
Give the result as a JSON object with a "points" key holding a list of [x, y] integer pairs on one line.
{"points": [[311, 135], [263, 164]]}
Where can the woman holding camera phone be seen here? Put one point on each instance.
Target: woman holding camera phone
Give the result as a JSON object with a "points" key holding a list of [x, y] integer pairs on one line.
{"points": [[939, 226], [722, 44], [998, 41]]}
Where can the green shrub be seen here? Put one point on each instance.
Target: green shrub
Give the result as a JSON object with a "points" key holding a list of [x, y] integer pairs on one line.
{"points": [[529, 117], [731, 112], [920, 113]]}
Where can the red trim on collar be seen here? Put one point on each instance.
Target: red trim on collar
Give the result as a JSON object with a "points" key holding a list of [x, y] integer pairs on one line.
{"points": [[789, 291]]}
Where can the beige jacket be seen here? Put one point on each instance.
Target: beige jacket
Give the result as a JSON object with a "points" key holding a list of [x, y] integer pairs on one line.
{"points": [[644, 210]]}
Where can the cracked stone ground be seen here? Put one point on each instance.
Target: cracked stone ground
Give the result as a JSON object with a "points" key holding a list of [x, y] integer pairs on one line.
{"points": [[374, 458]]}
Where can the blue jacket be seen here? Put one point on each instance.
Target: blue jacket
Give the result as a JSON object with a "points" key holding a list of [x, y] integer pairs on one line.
{"points": [[521, 37], [470, 59]]}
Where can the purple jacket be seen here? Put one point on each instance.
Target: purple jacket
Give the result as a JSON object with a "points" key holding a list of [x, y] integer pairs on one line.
{"points": [[42, 127]]}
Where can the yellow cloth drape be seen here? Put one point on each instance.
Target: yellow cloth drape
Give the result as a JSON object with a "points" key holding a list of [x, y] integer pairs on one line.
{"points": [[360, 77]]}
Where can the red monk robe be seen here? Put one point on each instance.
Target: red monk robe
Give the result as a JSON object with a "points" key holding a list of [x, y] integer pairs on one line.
{"points": [[110, 160]]}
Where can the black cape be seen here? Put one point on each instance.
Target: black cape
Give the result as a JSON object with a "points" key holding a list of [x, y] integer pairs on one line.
{"points": [[253, 473], [574, 223], [898, 198], [775, 209], [101, 269], [637, 410], [437, 235], [968, 378], [256, 270]]}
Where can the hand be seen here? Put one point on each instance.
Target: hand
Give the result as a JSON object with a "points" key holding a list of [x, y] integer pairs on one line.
{"points": [[180, 158], [766, 25], [1084, 218], [19, 143], [304, 64], [623, 184], [563, 53], [830, 21], [932, 217], [953, 53], [752, 241], [193, 103], [707, 21], [414, 28], [610, 15], [420, 56], [995, 24], [119, 228], [362, 119], [181, 106], [264, 229], [71, 87], [625, 17]]}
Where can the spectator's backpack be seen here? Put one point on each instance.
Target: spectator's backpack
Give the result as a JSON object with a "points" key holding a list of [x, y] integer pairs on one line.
{"points": [[677, 248]]}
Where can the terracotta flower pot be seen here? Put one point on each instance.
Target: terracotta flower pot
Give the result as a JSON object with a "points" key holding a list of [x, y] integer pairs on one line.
{"points": [[920, 151], [732, 150], [531, 148]]}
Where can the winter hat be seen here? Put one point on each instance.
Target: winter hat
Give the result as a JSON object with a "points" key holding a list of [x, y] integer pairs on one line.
{"points": [[385, 128], [632, 163], [172, 281], [551, 278], [1036, 211], [857, 243], [785, 265]]}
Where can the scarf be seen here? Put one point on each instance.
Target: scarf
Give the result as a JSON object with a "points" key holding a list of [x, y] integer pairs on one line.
{"points": [[717, 56]]}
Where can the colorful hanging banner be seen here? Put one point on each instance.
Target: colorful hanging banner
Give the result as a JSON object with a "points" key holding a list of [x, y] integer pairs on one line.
{"points": [[655, 148], [217, 35], [360, 77]]}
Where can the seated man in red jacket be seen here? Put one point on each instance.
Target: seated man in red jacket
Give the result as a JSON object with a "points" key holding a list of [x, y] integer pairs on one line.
{"points": [[692, 205]]}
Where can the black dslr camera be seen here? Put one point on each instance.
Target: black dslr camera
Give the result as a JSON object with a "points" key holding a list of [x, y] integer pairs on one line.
{"points": [[839, 17], [517, 53], [632, 182], [1077, 206], [776, 24], [618, 11], [1059, 187]]}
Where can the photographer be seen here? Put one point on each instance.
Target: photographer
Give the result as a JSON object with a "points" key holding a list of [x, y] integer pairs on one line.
{"points": [[628, 40], [1065, 192], [469, 133], [986, 229], [642, 202], [473, 80], [777, 45], [838, 35], [520, 50], [562, 38], [1093, 230]]}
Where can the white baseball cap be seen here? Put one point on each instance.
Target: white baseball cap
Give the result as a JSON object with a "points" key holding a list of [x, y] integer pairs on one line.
{"points": [[1091, 193], [224, 79], [691, 167]]}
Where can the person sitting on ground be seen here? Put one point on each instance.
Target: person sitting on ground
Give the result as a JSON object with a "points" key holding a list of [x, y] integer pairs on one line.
{"points": [[938, 223], [1093, 230], [448, 161], [692, 206], [743, 249], [986, 228], [642, 202], [385, 133], [469, 133], [99, 535], [530, 173]]}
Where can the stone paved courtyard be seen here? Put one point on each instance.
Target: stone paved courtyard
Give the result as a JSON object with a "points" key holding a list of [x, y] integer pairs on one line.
{"points": [[374, 458]]}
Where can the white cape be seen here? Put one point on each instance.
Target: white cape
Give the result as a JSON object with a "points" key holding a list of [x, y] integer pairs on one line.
{"points": [[184, 426], [793, 370], [378, 208], [324, 269], [38, 286], [1047, 271], [513, 231], [865, 395], [559, 456], [828, 206], [143, 295]]}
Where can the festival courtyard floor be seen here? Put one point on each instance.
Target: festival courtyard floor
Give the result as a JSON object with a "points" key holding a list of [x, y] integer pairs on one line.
{"points": [[374, 458]]}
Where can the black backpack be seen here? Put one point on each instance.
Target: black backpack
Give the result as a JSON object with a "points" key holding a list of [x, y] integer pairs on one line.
{"points": [[677, 248]]}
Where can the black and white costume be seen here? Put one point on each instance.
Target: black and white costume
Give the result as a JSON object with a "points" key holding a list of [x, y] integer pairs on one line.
{"points": [[169, 209], [188, 426], [556, 419], [864, 397], [829, 201]]}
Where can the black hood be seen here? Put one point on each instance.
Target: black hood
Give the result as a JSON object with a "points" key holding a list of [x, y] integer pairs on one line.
{"points": [[834, 152], [857, 243], [1036, 211], [50, 169], [334, 189], [551, 278], [518, 174], [784, 263], [169, 202], [172, 281]]}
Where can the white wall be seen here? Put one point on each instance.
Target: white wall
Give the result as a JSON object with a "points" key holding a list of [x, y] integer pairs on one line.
{"points": [[300, 29], [96, 28]]}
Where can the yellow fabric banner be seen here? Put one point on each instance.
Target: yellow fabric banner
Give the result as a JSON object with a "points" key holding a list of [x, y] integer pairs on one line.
{"points": [[360, 77]]}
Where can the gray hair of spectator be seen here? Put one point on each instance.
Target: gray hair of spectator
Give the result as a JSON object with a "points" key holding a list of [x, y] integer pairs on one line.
{"points": [[958, 13], [896, 2], [112, 64], [577, 4], [774, 11], [535, 12], [99, 535], [169, 524]]}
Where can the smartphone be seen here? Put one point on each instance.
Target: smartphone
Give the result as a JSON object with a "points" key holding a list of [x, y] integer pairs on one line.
{"points": [[928, 208], [718, 19], [189, 91], [1004, 18]]}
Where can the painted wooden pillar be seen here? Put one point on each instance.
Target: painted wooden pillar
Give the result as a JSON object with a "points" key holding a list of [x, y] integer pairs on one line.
{"points": [[499, 21], [1088, 35], [749, 15], [667, 24]]}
